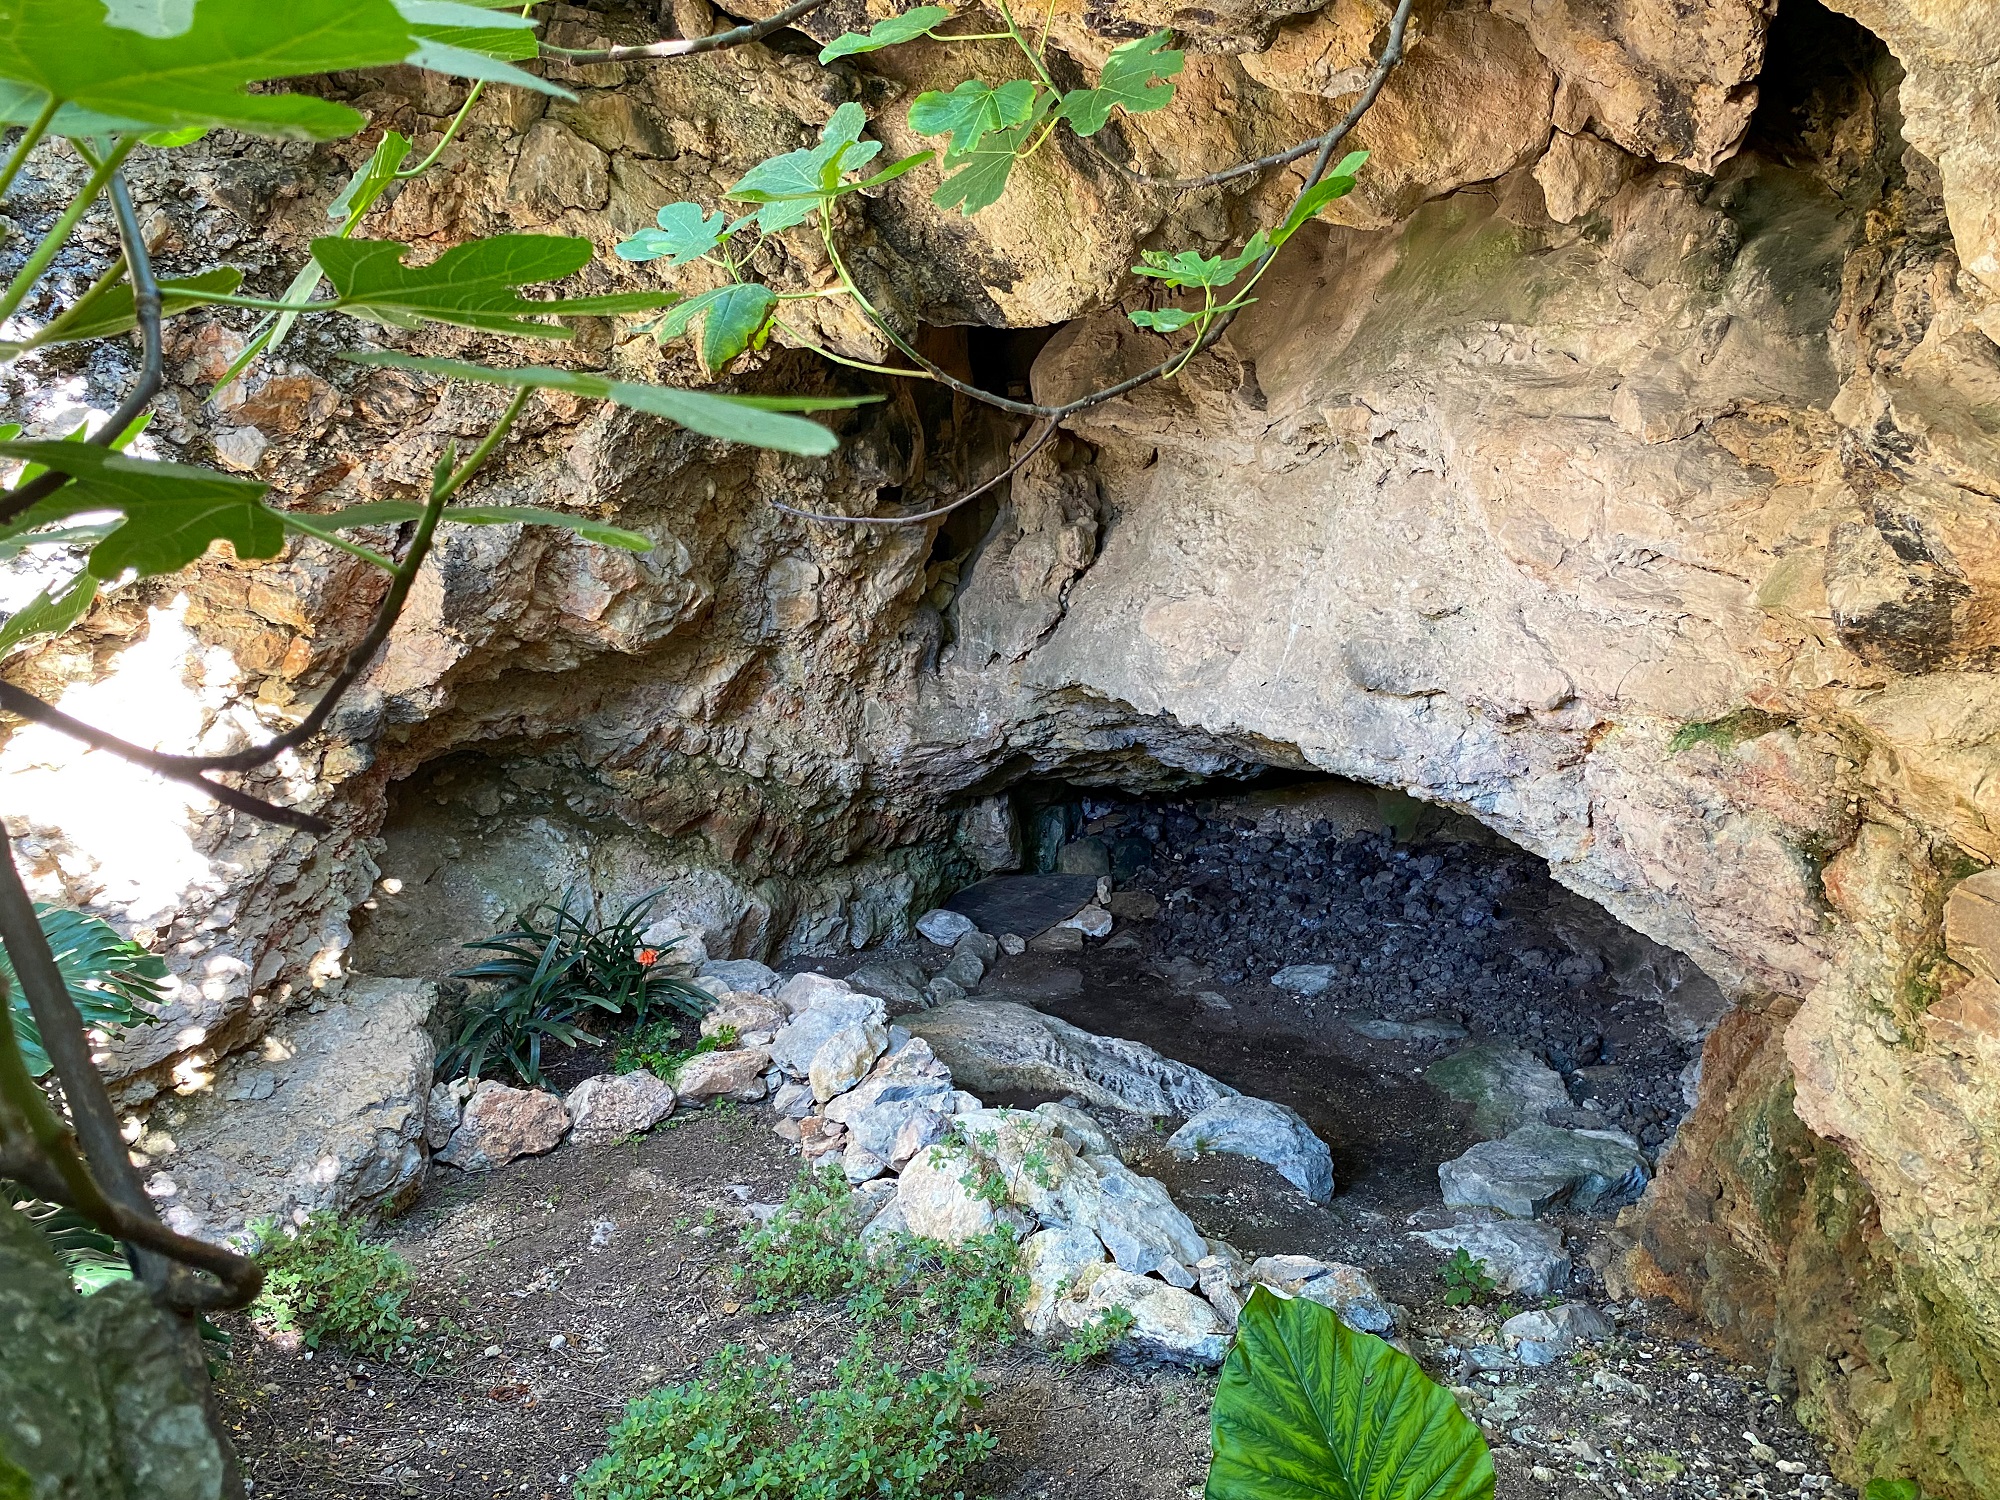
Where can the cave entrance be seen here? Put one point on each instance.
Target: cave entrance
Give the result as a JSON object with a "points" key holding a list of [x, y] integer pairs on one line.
{"points": [[1327, 945]]}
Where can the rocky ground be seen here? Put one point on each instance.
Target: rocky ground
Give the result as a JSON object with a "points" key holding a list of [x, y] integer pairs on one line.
{"points": [[556, 1287]]}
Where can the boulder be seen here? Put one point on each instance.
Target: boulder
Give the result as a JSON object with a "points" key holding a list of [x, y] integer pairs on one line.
{"points": [[860, 1165], [1222, 1276], [965, 968], [1042, 1172], [1137, 1220], [101, 1397], [1539, 1168], [502, 1123], [799, 1042], [900, 982], [328, 1116], [744, 974], [1304, 979], [945, 927], [1543, 1336], [901, 1107], [844, 1058], [1054, 1260], [792, 1101], [614, 1106], [1076, 1127], [441, 1113], [1346, 1289], [1506, 1087], [750, 1016], [995, 1046], [1093, 921], [1167, 1322], [1263, 1131], [979, 945], [736, 1073], [936, 1196], [1524, 1259], [802, 992]]}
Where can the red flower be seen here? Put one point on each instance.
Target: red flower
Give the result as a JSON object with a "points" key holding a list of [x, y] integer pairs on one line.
{"points": [[648, 957]]}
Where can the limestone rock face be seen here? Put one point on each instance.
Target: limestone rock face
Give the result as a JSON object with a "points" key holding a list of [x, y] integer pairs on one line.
{"points": [[327, 1116]]}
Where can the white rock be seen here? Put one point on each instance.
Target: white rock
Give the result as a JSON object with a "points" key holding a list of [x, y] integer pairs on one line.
{"points": [[792, 1101], [1076, 1127], [1053, 1261], [1093, 921], [844, 1059], [1524, 1259], [1539, 1168], [746, 1014], [794, 1047], [734, 1074], [442, 1110], [502, 1123], [860, 1165], [742, 974], [1263, 1131], [1138, 1222], [871, 1197], [1346, 1289], [1542, 1337], [901, 1107], [936, 1201], [614, 1106], [1013, 944], [1304, 979], [945, 927], [1041, 1171], [1220, 1278], [802, 992], [1167, 1323]]}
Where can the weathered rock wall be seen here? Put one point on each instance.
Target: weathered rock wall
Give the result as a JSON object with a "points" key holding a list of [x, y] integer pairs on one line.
{"points": [[1619, 466]]}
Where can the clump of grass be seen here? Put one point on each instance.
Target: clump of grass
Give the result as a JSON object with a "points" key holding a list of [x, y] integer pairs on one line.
{"points": [[325, 1282]]}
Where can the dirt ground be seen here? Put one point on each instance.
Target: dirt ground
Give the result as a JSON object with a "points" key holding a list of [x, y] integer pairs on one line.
{"points": [[556, 1288]]}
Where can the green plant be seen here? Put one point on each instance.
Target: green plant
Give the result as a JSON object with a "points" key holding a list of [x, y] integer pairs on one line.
{"points": [[1307, 1406], [326, 1282], [91, 1256], [112, 981], [1096, 1338], [1892, 1489], [809, 1250], [1466, 1279], [654, 1047], [552, 967], [745, 1429], [971, 1289]]}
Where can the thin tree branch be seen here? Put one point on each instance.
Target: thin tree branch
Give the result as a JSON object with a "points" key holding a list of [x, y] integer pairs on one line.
{"points": [[715, 41], [1040, 442]]}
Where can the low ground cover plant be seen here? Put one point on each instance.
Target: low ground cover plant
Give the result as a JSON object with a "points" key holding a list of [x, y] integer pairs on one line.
{"points": [[1467, 1279], [749, 1427], [328, 1284]]}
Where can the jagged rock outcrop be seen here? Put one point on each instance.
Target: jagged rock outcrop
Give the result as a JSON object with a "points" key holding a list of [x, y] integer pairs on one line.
{"points": [[1618, 465]]}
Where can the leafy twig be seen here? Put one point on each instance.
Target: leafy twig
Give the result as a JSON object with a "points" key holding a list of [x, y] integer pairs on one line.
{"points": [[716, 41]]}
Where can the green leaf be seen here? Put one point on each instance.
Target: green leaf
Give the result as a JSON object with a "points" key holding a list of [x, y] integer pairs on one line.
{"points": [[759, 421], [114, 78], [1164, 320], [983, 178], [396, 512], [1309, 1409], [1892, 1489], [112, 312], [971, 111], [172, 511], [48, 614], [891, 172], [470, 285], [685, 234], [1132, 80], [112, 981], [682, 318], [1191, 268], [733, 321], [365, 186], [1336, 184], [506, 34], [907, 27], [791, 186]]}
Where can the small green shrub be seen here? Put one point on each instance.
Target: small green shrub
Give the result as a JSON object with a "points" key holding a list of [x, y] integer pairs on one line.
{"points": [[1466, 1278], [332, 1286], [1096, 1338], [654, 1047], [745, 1429], [809, 1250]]}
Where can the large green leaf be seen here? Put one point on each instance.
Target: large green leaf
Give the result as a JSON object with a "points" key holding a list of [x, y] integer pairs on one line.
{"points": [[733, 322], [395, 512], [760, 421], [47, 613], [1309, 1409], [685, 234], [118, 77], [972, 111], [907, 27], [473, 285], [112, 313], [112, 980], [1133, 80], [791, 186], [172, 511], [980, 182]]}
